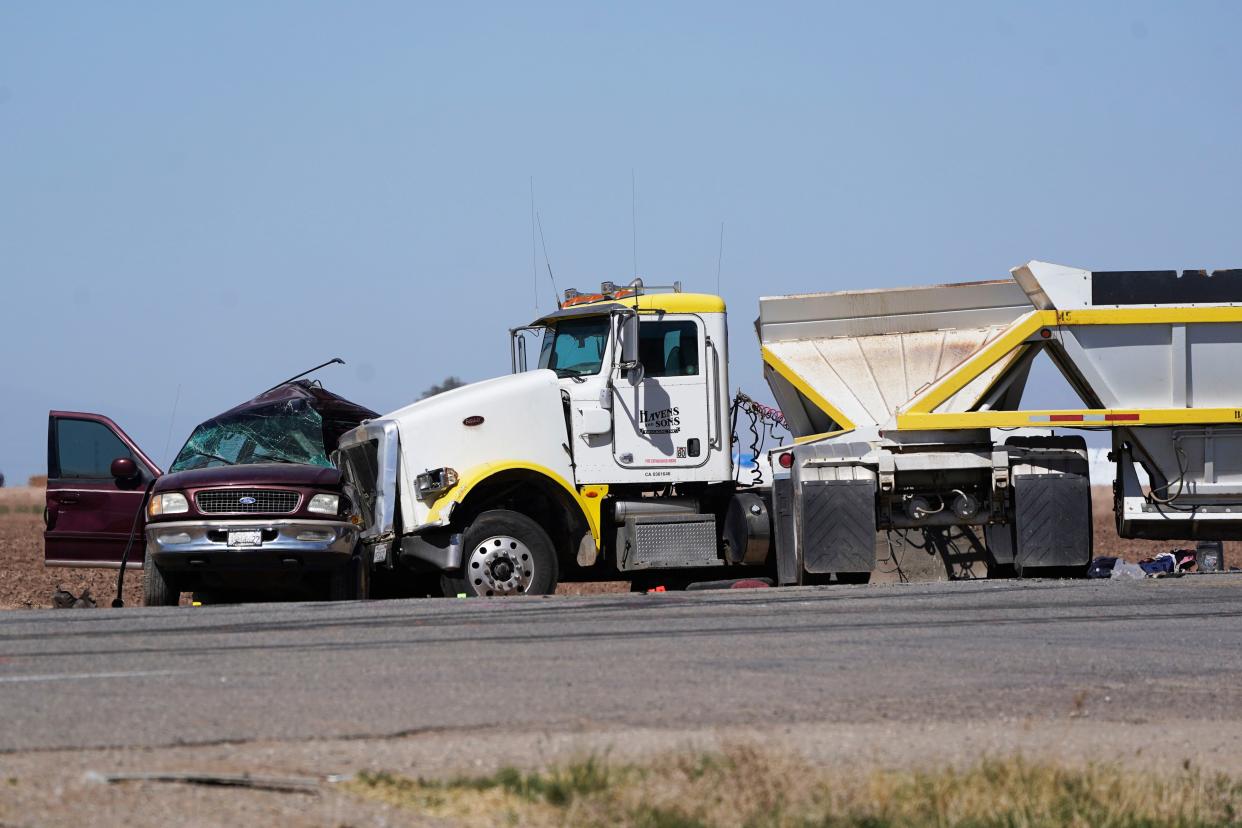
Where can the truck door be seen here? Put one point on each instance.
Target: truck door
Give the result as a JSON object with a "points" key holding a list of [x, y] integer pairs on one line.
{"points": [[89, 512], [662, 422]]}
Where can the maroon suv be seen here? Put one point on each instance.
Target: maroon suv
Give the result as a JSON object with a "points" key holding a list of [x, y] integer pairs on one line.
{"points": [[252, 501]]}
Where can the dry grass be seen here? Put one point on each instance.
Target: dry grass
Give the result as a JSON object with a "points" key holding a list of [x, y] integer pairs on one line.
{"points": [[746, 787]]}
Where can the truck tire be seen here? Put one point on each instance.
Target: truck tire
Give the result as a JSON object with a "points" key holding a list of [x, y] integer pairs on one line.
{"points": [[352, 582], [504, 553], [156, 591]]}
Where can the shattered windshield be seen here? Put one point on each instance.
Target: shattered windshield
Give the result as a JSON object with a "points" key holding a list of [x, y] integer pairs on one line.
{"points": [[575, 347], [285, 432]]}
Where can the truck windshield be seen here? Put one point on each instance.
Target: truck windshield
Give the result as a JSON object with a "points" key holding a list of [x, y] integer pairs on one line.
{"points": [[575, 347], [288, 432]]}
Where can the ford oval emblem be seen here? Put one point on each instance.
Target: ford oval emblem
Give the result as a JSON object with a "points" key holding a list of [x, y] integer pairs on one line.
{"points": [[247, 501], [473, 420]]}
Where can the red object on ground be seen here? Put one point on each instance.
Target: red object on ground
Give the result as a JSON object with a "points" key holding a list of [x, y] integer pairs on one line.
{"points": [[657, 589], [751, 583]]}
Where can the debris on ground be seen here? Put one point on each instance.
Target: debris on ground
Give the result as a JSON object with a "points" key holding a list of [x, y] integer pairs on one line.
{"points": [[64, 599], [731, 583], [1171, 564], [300, 785]]}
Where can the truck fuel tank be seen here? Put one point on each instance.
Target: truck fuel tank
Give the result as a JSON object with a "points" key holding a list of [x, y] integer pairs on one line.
{"points": [[747, 529]]}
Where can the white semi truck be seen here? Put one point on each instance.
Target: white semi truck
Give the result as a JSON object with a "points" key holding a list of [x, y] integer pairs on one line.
{"points": [[613, 455]]}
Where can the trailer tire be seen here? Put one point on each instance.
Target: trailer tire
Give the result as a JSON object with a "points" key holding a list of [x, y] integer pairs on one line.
{"points": [[156, 590], [504, 553]]}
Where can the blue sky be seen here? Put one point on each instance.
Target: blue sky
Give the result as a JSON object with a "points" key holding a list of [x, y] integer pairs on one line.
{"points": [[214, 196]]}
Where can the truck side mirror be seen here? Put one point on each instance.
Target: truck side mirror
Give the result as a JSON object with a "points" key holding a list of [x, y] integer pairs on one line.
{"points": [[629, 342], [124, 470]]}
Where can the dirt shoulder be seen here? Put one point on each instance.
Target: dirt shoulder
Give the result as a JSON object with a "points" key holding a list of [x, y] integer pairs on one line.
{"points": [[66, 787]]}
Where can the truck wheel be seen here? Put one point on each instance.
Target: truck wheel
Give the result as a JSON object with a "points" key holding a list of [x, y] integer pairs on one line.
{"points": [[352, 582], [504, 553], [156, 591]]}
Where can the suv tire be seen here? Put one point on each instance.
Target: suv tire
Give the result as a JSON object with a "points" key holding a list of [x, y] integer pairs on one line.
{"points": [[156, 591]]}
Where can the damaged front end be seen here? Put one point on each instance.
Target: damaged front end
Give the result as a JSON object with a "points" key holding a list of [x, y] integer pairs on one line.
{"points": [[368, 457]]}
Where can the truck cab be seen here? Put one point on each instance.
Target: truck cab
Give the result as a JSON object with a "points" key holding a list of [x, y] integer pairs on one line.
{"points": [[646, 380], [606, 452]]}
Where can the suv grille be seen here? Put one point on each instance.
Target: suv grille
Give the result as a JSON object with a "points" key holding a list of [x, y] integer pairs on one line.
{"points": [[229, 501]]}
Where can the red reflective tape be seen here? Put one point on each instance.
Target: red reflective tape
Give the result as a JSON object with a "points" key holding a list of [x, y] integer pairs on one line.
{"points": [[1129, 418], [1065, 418]]}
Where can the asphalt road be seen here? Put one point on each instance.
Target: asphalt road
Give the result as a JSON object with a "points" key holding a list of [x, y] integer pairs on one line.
{"points": [[159, 677]]}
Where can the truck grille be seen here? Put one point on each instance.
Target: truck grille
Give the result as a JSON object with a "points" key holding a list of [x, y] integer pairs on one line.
{"points": [[230, 501], [360, 465]]}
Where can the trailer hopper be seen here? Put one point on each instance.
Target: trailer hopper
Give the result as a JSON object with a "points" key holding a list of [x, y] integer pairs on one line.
{"points": [[840, 361], [1153, 356]]}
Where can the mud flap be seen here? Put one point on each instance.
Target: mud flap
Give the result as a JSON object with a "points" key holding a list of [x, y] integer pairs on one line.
{"points": [[783, 520], [999, 537], [837, 526], [1053, 520]]}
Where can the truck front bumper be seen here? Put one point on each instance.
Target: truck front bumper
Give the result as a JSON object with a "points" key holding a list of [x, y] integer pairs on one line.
{"points": [[203, 545]]}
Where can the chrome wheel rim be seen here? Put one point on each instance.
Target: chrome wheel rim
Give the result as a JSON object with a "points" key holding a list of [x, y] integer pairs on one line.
{"points": [[500, 565]]}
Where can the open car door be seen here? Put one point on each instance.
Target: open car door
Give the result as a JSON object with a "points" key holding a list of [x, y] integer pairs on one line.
{"points": [[92, 499]]}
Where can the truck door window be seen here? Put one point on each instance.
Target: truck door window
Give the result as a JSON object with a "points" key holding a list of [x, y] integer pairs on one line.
{"points": [[85, 449], [669, 349], [576, 347]]}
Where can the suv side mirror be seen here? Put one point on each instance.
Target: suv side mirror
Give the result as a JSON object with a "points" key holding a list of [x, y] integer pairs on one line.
{"points": [[124, 469], [629, 342]]}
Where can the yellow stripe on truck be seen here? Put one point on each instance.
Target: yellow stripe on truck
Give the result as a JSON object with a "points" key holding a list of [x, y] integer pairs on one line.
{"points": [[467, 480], [1083, 418], [818, 400]]}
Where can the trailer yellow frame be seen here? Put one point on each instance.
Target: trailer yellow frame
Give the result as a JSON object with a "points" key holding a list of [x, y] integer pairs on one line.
{"points": [[1042, 326], [791, 376]]}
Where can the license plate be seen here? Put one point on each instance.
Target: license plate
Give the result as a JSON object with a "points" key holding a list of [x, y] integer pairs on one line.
{"points": [[380, 553], [246, 537]]}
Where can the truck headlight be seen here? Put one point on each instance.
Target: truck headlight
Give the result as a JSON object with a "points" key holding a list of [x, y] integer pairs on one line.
{"points": [[168, 503], [324, 504], [434, 481]]}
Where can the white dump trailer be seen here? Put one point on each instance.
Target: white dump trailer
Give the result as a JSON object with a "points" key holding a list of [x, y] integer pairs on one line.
{"points": [[907, 410]]}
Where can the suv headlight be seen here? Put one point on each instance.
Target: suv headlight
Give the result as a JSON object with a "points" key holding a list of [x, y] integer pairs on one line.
{"points": [[168, 503], [434, 481], [324, 504]]}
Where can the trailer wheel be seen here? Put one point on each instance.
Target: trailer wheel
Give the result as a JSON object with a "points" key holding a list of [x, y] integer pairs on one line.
{"points": [[156, 591], [504, 553]]}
